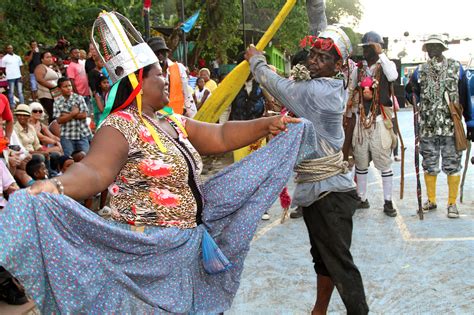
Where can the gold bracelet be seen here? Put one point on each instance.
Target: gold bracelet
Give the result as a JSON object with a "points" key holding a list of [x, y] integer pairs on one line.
{"points": [[59, 185]]}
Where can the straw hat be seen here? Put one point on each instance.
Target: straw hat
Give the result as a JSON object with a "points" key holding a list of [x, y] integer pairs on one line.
{"points": [[22, 109]]}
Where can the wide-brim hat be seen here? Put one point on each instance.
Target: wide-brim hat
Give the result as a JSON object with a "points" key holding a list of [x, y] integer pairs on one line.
{"points": [[22, 109], [157, 43], [435, 39]]}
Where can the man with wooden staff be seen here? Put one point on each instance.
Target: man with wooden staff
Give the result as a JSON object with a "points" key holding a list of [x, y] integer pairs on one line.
{"points": [[436, 84], [374, 138], [325, 187]]}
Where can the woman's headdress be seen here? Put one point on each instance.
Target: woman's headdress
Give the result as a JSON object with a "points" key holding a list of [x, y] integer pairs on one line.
{"points": [[123, 51]]}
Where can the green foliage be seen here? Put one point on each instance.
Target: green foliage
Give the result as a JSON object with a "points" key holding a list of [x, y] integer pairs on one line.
{"points": [[218, 32], [336, 9], [48, 20]]}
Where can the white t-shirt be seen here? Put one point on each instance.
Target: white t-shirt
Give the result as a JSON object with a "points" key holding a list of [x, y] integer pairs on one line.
{"points": [[12, 64]]}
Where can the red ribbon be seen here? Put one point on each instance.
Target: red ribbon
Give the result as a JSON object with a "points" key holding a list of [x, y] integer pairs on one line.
{"points": [[134, 93]]}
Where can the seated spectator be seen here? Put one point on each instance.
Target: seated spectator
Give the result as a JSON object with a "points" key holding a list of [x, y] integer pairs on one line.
{"points": [[201, 93], [26, 132], [18, 156], [36, 168], [64, 163], [48, 140], [70, 110], [7, 183], [28, 137]]}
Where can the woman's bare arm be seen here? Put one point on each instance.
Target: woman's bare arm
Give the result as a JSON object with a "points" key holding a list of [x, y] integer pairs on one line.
{"points": [[106, 157], [215, 138], [40, 72]]}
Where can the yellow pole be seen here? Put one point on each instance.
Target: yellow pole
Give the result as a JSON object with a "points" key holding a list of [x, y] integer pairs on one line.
{"points": [[225, 93]]}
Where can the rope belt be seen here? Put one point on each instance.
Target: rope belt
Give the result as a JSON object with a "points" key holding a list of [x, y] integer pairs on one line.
{"points": [[316, 170]]}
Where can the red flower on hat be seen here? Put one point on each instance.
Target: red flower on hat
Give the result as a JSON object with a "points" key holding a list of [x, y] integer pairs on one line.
{"points": [[155, 168], [164, 197]]}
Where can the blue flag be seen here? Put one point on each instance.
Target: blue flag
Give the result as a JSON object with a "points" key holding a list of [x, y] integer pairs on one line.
{"points": [[189, 23]]}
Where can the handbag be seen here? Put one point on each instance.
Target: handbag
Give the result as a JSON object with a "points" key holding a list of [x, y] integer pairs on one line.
{"points": [[459, 133], [55, 93]]}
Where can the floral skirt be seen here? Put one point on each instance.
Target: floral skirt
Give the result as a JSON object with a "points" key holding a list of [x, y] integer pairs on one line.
{"points": [[72, 261]]}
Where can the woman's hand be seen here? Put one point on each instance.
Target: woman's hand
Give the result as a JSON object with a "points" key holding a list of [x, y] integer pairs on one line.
{"points": [[279, 124], [43, 186]]}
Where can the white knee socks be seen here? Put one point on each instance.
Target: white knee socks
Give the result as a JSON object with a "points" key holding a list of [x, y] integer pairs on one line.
{"points": [[387, 181], [362, 183]]}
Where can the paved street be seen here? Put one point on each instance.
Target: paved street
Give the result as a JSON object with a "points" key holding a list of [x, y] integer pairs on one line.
{"points": [[408, 266]]}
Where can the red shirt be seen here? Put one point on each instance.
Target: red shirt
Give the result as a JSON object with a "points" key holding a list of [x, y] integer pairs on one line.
{"points": [[77, 72], [5, 112]]}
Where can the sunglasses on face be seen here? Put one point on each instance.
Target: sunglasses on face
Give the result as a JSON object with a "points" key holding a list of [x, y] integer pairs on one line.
{"points": [[36, 111]]}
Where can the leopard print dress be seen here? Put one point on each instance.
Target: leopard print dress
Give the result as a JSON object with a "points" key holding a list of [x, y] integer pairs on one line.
{"points": [[152, 188]]}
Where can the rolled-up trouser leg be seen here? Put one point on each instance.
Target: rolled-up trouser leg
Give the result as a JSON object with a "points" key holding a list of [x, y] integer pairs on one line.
{"points": [[329, 223]]}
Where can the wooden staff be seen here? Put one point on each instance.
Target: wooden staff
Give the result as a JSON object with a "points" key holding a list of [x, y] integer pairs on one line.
{"points": [[417, 155], [466, 165], [402, 145]]}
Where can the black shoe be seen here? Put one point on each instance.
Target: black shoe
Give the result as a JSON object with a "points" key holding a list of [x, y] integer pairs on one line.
{"points": [[297, 213], [363, 204], [11, 293], [388, 209]]}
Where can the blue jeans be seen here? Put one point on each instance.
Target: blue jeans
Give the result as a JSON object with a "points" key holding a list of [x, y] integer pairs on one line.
{"points": [[11, 91], [33, 82], [71, 146]]}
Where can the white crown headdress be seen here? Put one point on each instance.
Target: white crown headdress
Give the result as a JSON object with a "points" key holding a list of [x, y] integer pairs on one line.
{"points": [[340, 38], [120, 46]]}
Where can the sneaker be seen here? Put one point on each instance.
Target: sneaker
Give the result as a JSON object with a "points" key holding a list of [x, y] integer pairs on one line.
{"points": [[428, 206], [105, 212], [453, 212], [11, 293], [388, 209], [265, 216], [297, 213], [363, 204], [396, 158]]}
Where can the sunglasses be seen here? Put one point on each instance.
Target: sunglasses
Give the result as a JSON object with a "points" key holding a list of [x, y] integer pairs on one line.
{"points": [[36, 111]]}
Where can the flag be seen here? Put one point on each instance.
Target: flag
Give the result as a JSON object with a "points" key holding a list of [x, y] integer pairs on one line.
{"points": [[189, 23]]}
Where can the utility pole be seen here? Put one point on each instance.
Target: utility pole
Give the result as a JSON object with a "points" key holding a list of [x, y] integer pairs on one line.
{"points": [[185, 46], [243, 25], [146, 18]]}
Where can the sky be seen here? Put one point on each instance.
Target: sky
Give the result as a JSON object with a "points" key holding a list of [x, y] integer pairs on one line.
{"points": [[421, 17]]}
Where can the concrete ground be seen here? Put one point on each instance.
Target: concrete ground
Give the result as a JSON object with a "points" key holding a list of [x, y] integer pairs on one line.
{"points": [[408, 266]]}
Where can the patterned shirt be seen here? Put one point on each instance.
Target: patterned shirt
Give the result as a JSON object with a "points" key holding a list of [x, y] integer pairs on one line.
{"points": [[435, 79], [152, 188], [75, 129]]}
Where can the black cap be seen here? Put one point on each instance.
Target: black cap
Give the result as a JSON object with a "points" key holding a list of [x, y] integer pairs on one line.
{"points": [[157, 43], [371, 38]]}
